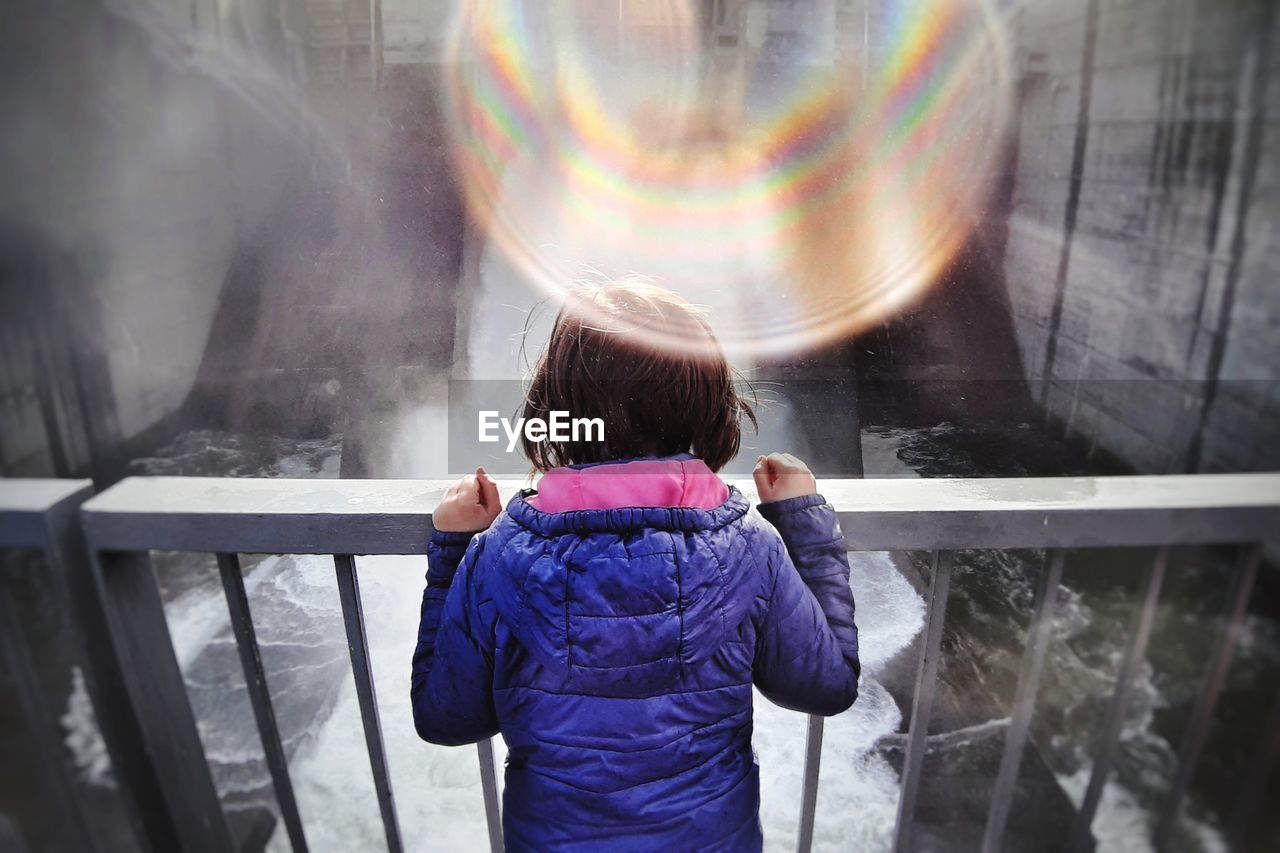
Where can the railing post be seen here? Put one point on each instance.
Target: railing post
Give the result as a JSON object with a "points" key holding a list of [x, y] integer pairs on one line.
{"points": [[1039, 633], [922, 699], [104, 679], [489, 786], [358, 644], [809, 793], [189, 816], [30, 520], [1109, 739], [42, 725], [255, 679], [1207, 700], [52, 524]]}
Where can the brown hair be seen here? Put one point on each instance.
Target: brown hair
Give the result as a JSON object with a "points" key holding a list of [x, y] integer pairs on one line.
{"points": [[645, 362]]}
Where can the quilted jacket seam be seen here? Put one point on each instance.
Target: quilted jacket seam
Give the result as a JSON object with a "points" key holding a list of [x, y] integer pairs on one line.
{"points": [[637, 823], [508, 688], [663, 611], [675, 561], [633, 750], [724, 591], [523, 606], [613, 667], [773, 569], [568, 590]]}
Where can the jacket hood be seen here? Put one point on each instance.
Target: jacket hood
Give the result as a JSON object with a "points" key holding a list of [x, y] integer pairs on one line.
{"points": [[627, 519], [677, 481], [620, 599]]}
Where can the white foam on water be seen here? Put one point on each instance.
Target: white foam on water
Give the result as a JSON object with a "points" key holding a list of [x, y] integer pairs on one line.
{"points": [[200, 614], [437, 789], [1210, 839], [889, 612], [1121, 824], [857, 790], [83, 738], [194, 619]]}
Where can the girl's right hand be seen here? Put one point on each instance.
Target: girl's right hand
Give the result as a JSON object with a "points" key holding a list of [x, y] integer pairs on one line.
{"points": [[471, 504], [780, 476]]}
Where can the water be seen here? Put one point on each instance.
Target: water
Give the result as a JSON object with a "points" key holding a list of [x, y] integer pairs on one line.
{"points": [[992, 594]]}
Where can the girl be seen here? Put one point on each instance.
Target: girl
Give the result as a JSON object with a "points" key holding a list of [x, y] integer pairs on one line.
{"points": [[611, 624]]}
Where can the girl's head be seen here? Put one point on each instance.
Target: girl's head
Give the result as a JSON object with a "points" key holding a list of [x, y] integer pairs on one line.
{"points": [[643, 361]]}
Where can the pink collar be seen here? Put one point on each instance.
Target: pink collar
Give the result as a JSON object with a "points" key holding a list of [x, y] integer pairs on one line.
{"points": [[642, 482]]}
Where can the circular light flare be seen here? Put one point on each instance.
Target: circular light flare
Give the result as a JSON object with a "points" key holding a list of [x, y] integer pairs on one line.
{"points": [[802, 202]]}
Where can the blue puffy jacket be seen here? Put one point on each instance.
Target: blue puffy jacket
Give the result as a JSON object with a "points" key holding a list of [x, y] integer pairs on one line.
{"points": [[615, 650]]}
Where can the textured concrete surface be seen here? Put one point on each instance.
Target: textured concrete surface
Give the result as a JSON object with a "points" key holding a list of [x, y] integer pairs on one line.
{"points": [[1141, 260]]}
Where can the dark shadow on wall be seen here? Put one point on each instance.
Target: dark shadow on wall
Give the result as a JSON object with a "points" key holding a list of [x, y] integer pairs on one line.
{"points": [[57, 408], [954, 356], [345, 298]]}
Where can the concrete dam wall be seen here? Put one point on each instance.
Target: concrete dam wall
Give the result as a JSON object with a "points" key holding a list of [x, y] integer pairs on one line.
{"points": [[1135, 264], [1141, 261], [141, 170]]}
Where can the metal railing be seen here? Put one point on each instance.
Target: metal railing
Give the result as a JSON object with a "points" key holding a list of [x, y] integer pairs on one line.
{"points": [[43, 516], [228, 517], [33, 517]]}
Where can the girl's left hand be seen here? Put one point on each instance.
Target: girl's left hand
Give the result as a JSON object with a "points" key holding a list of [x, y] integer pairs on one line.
{"points": [[471, 504], [780, 476]]}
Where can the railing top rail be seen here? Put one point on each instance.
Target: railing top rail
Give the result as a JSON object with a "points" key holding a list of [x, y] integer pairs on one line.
{"points": [[394, 516], [24, 505], [1057, 512]]}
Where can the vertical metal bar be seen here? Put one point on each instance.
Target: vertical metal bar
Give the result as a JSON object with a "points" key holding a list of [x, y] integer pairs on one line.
{"points": [[358, 644], [489, 785], [1207, 700], [255, 679], [809, 793], [192, 814], [42, 723], [1109, 739], [1255, 780], [1038, 636], [922, 700]]}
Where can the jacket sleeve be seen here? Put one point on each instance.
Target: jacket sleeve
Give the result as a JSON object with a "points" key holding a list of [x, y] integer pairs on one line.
{"points": [[452, 684], [807, 648]]}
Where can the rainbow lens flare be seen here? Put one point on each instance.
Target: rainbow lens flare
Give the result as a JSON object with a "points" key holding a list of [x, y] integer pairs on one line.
{"points": [[803, 169]]}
